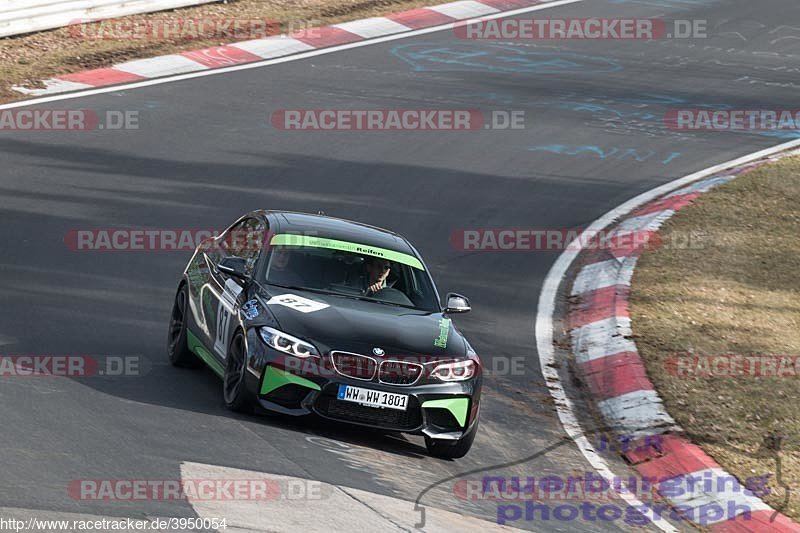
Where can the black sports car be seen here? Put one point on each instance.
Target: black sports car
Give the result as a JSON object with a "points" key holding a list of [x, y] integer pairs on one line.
{"points": [[304, 314]]}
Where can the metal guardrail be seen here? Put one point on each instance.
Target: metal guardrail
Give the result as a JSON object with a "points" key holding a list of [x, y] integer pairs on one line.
{"points": [[26, 16]]}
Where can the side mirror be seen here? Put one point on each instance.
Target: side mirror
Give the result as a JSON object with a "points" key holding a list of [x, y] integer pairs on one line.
{"points": [[457, 303], [234, 266]]}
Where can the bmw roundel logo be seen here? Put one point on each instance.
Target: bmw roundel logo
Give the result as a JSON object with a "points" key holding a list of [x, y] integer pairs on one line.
{"points": [[378, 351]]}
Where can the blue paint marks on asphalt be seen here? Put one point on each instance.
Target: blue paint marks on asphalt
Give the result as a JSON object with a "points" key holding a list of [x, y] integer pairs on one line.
{"points": [[600, 103], [429, 57], [668, 100], [635, 115], [671, 157], [614, 153]]}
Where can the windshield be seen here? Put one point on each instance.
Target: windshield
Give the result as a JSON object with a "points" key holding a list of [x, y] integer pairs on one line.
{"points": [[352, 274]]}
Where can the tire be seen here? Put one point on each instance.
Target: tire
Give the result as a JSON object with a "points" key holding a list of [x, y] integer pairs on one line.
{"points": [[177, 345], [234, 387], [447, 449]]}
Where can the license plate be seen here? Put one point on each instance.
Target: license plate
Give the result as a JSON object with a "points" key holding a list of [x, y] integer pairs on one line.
{"points": [[373, 398]]}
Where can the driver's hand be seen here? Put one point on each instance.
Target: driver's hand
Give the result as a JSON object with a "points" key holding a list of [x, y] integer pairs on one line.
{"points": [[375, 287]]}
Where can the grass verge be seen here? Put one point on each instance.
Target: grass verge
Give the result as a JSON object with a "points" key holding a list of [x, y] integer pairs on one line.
{"points": [[734, 291], [26, 60]]}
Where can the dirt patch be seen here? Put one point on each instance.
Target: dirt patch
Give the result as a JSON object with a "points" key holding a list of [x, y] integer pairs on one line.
{"points": [[27, 59], [711, 317]]}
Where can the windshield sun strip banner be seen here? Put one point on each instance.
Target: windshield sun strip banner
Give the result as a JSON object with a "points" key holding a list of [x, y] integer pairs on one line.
{"points": [[287, 239]]}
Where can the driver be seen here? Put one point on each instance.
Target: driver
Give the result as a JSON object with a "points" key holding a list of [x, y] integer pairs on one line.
{"points": [[378, 270], [280, 272]]}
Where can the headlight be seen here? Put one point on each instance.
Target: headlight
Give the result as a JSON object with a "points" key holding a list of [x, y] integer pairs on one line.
{"points": [[286, 343], [460, 371]]}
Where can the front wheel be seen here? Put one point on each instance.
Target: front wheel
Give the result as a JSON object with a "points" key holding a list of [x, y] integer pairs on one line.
{"points": [[233, 387], [447, 449]]}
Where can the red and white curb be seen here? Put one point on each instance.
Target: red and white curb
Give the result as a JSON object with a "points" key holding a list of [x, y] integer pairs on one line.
{"points": [[610, 366], [278, 46]]}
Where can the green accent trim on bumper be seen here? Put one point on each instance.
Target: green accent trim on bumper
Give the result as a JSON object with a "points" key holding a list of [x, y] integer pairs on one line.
{"points": [[275, 378], [286, 239], [197, 347], [457, 406]]}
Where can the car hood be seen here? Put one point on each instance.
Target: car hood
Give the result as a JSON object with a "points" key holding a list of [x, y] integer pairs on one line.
{"points": [[349, 324]]}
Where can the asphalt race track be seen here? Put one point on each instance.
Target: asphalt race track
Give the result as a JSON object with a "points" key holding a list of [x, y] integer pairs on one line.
{"points": [[205, 152]]}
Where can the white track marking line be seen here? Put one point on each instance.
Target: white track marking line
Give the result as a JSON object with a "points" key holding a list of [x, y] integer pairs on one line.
{"points": [[372, 27], [637, 414], [160, 65], [273, 46], [696, 497], [602, 338], [649, 222], [596, 276], [547, 304], [701, 187], [464, 9], [278, 60], [54, 83]]}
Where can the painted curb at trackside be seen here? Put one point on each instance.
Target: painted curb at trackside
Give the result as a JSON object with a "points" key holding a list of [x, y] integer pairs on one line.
{"points": [[610, 366], [549, 362], [277, 46]]}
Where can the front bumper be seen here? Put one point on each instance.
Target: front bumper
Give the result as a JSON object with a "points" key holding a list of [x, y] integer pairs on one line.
{"points": [[444, 411], [435, 410]]}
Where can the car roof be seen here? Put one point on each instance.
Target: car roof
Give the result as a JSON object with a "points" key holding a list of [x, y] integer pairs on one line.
{"points": [[336, 228]]}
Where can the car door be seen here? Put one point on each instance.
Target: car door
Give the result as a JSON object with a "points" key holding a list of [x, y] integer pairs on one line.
{"points": [[245, 240]]}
